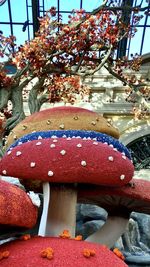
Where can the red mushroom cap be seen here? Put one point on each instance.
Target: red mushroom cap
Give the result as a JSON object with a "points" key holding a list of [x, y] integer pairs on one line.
{"points": [[16, 208], [123, 200], [61, 252], [67, 160]]}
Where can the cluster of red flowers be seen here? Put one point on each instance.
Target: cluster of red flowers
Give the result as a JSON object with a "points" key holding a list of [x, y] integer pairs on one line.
{"points": [[65, 89], [5, 81], [63, 49]]}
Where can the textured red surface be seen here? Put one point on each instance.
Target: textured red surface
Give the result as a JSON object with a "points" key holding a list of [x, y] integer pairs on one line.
{"points": [[16, 208], [68, 161], [66, 253], [134, 198], [140, 190]]}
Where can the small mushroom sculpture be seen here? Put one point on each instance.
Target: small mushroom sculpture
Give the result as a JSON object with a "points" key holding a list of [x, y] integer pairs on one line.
{"points": [[119, 202], [16, 208]]}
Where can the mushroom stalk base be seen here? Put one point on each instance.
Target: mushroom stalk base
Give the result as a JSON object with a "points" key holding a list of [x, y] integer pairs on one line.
{"points": [[60, 212], [110, 232]]}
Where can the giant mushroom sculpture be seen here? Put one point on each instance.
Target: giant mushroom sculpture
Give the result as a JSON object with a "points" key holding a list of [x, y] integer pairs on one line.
{"points": [[69, 161]]}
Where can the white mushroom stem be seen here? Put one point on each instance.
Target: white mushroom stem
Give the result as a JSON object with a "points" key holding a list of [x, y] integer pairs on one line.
{"points": [[59, 213], [110, 232], [46, 199]]}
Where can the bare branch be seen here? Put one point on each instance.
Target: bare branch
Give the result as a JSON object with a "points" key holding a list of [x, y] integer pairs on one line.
{"points": [[4, 97], [42, 99], [127, 8], [21, 72], [134, 87], [100, 65], [17, 105], [33, 96]]}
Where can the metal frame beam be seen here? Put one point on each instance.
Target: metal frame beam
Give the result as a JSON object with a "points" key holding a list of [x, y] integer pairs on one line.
{"points": [[35, 15]]}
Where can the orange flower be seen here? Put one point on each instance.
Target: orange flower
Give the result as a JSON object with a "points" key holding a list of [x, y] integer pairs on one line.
{"points": [[65, 234], [25, 237], [88, 252], [78, 237], [47, 253], [4, 255], [118, 253]]}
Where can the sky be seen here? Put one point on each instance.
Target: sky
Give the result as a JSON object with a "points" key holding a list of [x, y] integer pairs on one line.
{"points": [[19, 16]]}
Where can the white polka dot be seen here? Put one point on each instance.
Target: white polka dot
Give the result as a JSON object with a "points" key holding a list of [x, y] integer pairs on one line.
{"points": [[9, 152], [18, 153], [111, 145], [62, 152], [32, 164], [110, 158], [4, 172], [39, 137], [53, 136], [115, 149], [55, 140], [19, 143], [50, 173], [95, 143], [52, 145], [38, 143], [124, 157], [68, 138], [83, 163], [122, 177], [79, 145]]}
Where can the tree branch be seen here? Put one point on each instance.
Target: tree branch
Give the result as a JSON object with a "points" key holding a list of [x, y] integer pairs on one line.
{"points": [[17, 105], [4, 97], [100, 65], [42, 99], [127, 8], [33, 96], [134, 87]]}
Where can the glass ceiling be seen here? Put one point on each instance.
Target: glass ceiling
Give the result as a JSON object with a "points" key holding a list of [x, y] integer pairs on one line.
{"points": [[19, 18]]}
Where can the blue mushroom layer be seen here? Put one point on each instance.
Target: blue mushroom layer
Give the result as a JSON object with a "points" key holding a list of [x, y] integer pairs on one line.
{"points": [[99, 137]]}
